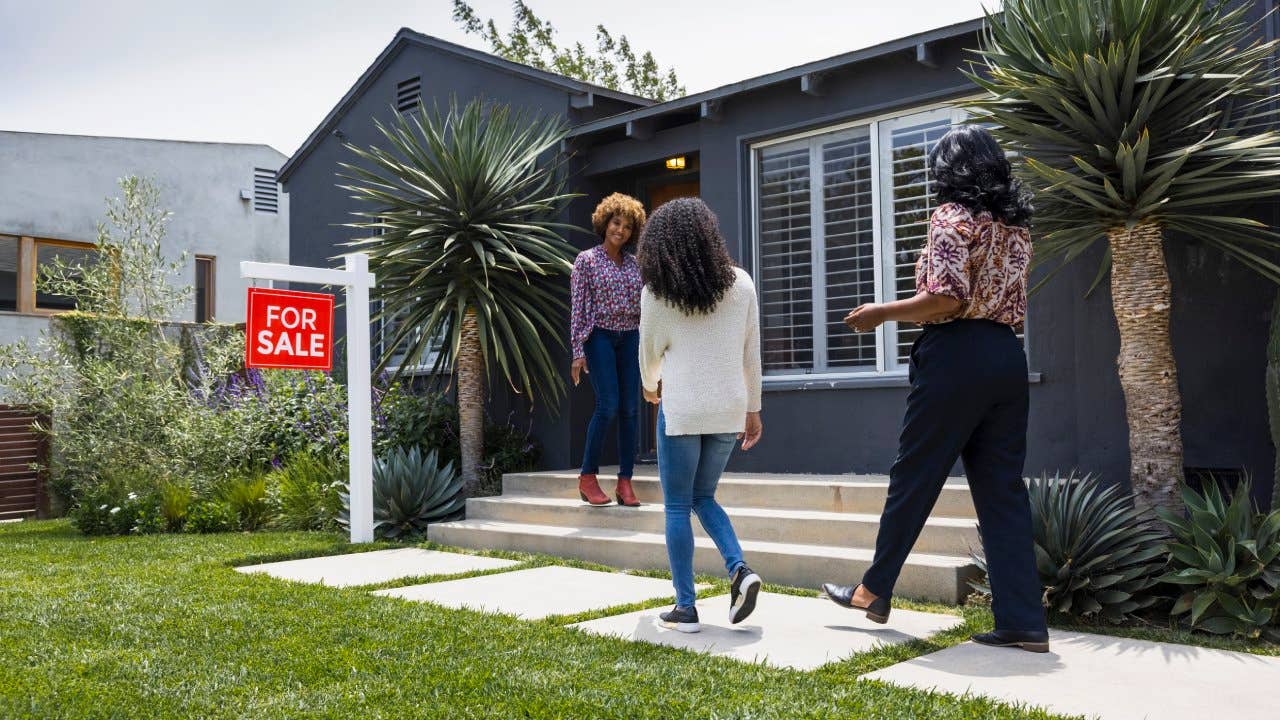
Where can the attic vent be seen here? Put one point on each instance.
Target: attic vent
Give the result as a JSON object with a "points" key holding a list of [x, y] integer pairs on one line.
{"points": [[408, 93], [266, 192]]}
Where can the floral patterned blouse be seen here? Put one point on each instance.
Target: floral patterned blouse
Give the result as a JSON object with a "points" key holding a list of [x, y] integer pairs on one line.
{"points": [[978, 261], [605, 295]]}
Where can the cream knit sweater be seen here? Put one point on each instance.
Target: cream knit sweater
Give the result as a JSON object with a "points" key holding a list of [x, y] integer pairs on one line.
{"points": [[709, 364]]}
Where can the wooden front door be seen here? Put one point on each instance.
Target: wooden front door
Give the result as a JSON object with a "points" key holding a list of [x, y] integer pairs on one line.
{"points": [[657, 195]]}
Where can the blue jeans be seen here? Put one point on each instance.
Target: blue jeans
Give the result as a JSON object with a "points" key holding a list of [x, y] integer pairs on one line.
{"points": [[690, 468], [613, 368]]}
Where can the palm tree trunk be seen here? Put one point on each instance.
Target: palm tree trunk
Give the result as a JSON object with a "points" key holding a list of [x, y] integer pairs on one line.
{"points": [[1141, 299], [470, 401]]}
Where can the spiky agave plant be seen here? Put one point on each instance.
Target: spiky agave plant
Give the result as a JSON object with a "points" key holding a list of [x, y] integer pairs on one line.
{"points": [[464, 211], [410, 491], [1097, 555], [1225, 559]]}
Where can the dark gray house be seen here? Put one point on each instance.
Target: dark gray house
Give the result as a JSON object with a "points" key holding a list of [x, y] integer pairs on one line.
{"points": [[817, 175]]}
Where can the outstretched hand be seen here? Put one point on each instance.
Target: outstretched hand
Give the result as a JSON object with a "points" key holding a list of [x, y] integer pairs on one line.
{"points": [[865, 318]]}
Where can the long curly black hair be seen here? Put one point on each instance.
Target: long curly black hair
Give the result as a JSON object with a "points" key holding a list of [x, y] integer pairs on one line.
{"points": [[683, 258], [969, 168]]}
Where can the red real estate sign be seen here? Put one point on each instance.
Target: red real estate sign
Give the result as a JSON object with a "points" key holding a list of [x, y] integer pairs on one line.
{"points": [[286, 329]]}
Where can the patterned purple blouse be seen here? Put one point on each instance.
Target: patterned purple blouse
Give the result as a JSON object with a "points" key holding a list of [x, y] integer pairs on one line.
{"points": [[978, 261], [605, 295]]}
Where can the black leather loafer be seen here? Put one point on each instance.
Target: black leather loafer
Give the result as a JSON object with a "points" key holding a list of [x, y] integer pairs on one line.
{"points": [[842, 595], [1036, 642]]}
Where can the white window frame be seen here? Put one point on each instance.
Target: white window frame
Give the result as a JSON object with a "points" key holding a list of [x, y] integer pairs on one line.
{"points": [[887, 363], [423, 368]]}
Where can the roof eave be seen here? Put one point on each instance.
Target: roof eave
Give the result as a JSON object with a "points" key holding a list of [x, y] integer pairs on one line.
{"points": [[781, 76]]}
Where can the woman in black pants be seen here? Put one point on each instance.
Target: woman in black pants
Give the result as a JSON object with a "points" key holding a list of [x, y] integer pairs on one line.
{"points": [[968, 396]]}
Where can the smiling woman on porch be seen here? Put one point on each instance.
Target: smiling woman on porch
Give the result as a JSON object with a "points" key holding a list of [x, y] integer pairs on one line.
{"points": [[968, 396], [604, 335]]}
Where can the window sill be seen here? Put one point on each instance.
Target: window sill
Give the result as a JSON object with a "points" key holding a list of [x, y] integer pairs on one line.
{"points": [[856, 383]]}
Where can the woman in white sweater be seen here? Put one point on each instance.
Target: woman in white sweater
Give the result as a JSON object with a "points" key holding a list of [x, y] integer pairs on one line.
{"points": [[700, 362]]}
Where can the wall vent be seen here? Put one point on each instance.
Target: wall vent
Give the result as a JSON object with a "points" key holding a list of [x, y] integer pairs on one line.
{"points": [[266, 191], [408, 93]]}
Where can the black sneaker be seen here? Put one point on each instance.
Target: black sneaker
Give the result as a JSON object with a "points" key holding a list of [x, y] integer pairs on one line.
{"points": [[742, 594], [684, 620]]}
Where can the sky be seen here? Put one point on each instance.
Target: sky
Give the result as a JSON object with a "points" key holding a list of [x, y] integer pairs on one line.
{"points": [[268, 71]]}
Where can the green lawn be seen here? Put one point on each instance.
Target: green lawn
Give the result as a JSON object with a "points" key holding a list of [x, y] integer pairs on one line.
{"points": [[162, 627]]}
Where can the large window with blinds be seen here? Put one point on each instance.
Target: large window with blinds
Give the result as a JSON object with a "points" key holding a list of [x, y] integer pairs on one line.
{"points": [[840, 218]]}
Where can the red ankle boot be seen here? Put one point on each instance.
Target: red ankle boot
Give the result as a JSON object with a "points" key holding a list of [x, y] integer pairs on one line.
{"points": [[625, 494], [590, 492]]}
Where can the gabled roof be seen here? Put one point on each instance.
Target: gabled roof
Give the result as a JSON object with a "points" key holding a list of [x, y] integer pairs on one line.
{"points": [[690, 102], [406, 37]]}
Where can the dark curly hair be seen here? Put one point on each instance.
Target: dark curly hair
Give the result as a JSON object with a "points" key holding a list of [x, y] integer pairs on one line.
{"points": [[683, 258], [969, 168], [623, 205]]}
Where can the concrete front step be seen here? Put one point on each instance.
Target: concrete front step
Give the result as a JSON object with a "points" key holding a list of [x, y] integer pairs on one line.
{"points": [[825, 493], [925, 576], [941, 536]]}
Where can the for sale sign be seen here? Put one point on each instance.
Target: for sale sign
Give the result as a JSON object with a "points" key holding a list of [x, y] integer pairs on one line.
{"points": [[286, 329]]}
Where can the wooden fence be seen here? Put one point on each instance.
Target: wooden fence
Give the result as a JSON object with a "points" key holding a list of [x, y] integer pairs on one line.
{"points": [[22, 488]]}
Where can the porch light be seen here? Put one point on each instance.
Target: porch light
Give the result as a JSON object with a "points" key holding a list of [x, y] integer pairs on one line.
{"points": [[675, 163]]}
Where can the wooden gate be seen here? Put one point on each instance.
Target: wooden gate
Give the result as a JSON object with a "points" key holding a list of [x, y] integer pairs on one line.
{"points": [[22, 491]]}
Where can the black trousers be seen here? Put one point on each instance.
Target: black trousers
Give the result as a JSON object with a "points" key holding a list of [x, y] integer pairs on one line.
{"points": [[968, 400]]}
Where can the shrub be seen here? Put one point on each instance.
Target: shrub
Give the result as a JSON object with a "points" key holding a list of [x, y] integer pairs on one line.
{"points": [[211, 516], [410, 491], [306, 492], [247, 496], [1096, 555], [1225, 558], [427, 420], [107, 509], [174, 500]]}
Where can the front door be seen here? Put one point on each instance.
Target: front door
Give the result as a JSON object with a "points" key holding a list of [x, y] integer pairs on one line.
{"points": [[657, 195]]}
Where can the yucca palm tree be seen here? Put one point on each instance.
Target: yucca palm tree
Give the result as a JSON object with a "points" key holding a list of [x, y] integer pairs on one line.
{"points": [[1139, 122], [466, 247]]}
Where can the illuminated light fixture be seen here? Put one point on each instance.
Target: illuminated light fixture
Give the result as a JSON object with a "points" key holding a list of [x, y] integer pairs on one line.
{"points": [[675, 163]]}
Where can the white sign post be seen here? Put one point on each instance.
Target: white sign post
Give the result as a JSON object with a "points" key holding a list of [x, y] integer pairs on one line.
{"points": [[356, 281]]}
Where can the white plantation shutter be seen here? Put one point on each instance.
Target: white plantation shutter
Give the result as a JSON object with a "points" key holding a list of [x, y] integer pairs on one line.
{"points": [[849, 246], [785, 245], [841, 217], [907, 199]]}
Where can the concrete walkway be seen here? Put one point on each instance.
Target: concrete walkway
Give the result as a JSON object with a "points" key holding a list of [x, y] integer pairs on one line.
{"points": [[1085, 674], [1105, 677], [538, 592], [784, 631], [378, 566]]}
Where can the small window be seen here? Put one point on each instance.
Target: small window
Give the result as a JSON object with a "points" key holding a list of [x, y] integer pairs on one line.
{"points": [[266, 191], [48, 254], [408, 94], [9, 273], [205, 293]]}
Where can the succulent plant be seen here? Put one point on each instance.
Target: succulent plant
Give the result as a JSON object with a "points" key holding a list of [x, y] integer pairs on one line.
{"points": [[1225, 556], [1096, 554], [410, 491]]}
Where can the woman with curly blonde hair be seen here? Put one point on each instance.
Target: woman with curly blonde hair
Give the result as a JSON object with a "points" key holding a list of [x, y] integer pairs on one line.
{"points": [[605, 337]]}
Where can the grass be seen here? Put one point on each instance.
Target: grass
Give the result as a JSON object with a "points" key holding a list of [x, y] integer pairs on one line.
{"points": [[163, 627]]}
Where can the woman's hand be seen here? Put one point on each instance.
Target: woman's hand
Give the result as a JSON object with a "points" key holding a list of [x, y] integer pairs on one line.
{"points": [[575, 371], [654, 397], [751, 435], [866, 318]]}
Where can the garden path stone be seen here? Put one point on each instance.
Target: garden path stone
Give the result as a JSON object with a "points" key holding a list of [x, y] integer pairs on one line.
{"points": [[784, 631], [538, 592], [378, 566], [1107, 677]]}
